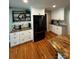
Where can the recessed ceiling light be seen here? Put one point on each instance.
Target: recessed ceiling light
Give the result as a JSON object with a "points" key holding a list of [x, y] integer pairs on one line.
{"points": [[54, 6], [25, 1]]}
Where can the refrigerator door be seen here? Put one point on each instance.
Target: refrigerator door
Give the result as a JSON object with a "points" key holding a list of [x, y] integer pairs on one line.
{"points": [[38, 27]]}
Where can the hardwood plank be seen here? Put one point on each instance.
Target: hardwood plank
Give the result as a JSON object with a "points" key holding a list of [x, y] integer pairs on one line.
{"points": [[34, 50]]}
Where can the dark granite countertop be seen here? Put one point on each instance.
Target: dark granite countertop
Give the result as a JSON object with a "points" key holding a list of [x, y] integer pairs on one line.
{"points": [[60, 24], [18, 30]]}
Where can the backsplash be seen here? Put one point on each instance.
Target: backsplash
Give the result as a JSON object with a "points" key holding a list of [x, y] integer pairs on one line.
{"points": [[58, 22], [20, 24]]}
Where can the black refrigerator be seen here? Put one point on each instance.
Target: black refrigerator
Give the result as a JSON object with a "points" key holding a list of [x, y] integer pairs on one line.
{"points": [[39, 27]]}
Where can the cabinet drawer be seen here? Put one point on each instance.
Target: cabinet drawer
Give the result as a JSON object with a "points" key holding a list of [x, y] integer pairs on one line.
{"points": [[14, 43], [14, 36]]}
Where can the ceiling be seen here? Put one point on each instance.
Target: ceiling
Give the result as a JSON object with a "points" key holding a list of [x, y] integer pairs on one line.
{"points": [[47, 4]]}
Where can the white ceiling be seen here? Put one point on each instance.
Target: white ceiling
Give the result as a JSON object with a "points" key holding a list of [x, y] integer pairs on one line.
{"points": [[47, 4]]}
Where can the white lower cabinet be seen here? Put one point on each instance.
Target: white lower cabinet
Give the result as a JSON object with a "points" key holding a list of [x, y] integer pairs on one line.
{"points": [[20, 37], [14, 43], [14, 39], [56, 29], [25, 36], [59, 30]]}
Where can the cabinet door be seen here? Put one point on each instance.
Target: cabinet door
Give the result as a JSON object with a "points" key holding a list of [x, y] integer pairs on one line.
{"points": [[54, 29], [28, 36], [22, 37], [25, 36], [14, 43], [59, 30], [14, 39], [13, 36]]}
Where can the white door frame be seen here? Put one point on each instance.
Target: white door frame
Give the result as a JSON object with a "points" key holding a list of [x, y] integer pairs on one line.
{"points": [[47, 22]]}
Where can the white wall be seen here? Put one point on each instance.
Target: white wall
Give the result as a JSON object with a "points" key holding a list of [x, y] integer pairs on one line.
{"points": [[67, 18], [58, 14], [35, 11]]}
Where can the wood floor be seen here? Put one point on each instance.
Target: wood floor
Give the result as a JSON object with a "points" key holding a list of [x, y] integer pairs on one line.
{"points": [[34, 50]]}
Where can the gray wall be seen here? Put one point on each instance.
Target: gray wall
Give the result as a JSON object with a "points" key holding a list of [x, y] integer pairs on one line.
{"points": [[10, 20], [67, 18]]}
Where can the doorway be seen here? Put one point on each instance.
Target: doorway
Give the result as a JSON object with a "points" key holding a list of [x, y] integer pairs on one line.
{"points": [[45, 22]]}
